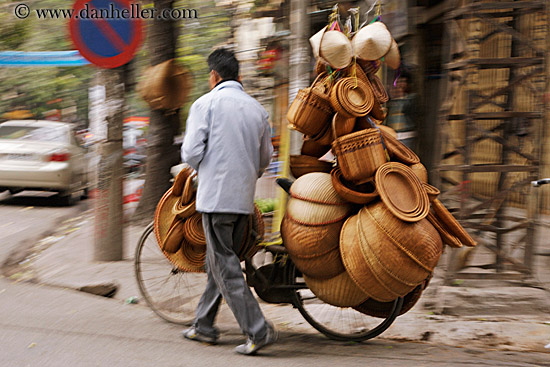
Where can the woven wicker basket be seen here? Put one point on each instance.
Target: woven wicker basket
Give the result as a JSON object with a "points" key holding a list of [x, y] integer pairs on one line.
{"points": [[378, 89], [385, 256], [324, 266], [352, 97], [314, 214], [369, 67], [359, 154], [338, 291], [193, 230], [301, 165], [312, 148], [420, 171], [383, 310], [316, 188], [305, 241], [325, 136], [164, 217], [357, 194], [356, 266], [402, 192], [311, 110], [194, 255]]}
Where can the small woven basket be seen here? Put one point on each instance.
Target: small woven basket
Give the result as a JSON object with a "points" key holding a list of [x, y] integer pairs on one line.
{"points": [[311, 110], [352, 97], [359, 154], [338, 291], [312, 148], [357, 194], [302, 164]]}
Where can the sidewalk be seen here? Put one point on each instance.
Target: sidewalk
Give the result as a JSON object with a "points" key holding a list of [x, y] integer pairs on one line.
{"points": [[490, 316]]}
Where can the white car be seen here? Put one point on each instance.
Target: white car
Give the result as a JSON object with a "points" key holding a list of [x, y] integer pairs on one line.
{"points": [[43, 156]]}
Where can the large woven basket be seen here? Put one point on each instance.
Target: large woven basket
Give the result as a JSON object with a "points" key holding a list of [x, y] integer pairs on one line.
{"points": [[385, 256], [359, 154], [311, 110], [301, 165], [402, 192], [164, 217], [321, 267], [305, 241], [357, 194], [316, 188], [352, 97], [314, 214], [383, 310], [338, 291]]}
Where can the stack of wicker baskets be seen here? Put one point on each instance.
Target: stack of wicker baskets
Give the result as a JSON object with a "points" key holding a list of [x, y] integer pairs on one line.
{"points": [[376, 206], [179, 230]]}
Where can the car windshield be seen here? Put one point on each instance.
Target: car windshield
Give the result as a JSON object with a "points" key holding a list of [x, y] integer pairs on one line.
{"points": [[51, 134]]}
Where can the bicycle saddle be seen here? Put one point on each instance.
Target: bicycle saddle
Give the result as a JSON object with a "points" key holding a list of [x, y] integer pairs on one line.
{"points": [[285, 183]]}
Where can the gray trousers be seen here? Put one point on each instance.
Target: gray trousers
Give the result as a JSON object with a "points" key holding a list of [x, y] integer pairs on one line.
{"points": [[224, 236]]}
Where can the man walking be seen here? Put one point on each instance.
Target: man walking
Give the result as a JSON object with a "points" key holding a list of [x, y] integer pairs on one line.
{"points": [[228, 142]]}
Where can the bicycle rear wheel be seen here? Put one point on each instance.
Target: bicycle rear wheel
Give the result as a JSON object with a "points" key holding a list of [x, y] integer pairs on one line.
{"points": [[338, 323], [173, 294]]}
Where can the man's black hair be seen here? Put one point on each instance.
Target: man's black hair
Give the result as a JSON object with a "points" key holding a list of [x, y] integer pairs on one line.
{"points": [[224, 63]]}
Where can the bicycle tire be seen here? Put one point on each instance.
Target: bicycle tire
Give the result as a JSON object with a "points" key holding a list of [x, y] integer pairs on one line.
{"points": [[171, 293], [337, 323]]}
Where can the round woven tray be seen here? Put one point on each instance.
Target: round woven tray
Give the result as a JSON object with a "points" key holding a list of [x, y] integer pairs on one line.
{"points": [[352, 97], [193, 230], [179, 181], [402, 192], [447, 238], [451, 224]]}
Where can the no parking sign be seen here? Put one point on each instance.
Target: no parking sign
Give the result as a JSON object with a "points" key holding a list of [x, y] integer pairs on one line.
{"points": [[106, 32]]}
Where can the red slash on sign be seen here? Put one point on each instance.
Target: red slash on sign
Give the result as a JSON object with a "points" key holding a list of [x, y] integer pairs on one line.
{"points": [[102, 34]]}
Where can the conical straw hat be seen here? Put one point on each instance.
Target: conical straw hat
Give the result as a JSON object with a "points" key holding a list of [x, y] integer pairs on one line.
{"points": [[315, 41], [393, 57], [372, 41], [335, 49]]}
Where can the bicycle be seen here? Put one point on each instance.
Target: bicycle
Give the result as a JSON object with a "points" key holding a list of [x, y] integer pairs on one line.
{"points": [[173, 294]]}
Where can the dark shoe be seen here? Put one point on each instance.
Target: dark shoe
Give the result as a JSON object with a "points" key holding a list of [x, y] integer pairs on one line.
{"points": [[193, 334], [251, 347]]}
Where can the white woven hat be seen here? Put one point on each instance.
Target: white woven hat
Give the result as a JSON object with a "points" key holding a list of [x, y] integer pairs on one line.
{"points": [[372, 41], [393, 57], [315, 41], [336, 49]]}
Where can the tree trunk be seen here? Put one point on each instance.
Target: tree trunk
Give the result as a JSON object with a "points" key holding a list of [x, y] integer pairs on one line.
{"points": [[162, 154]]}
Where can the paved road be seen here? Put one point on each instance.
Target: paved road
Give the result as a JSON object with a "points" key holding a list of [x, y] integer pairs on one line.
{"points": [[44, 326], [29, 216]]}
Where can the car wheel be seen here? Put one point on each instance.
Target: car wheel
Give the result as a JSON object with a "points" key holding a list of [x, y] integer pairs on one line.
{"points": [[67, 199], [85, 194]]}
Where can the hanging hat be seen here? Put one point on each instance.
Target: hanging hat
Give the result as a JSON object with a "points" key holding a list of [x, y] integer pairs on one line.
{"points": [[315, 42], [335, 49], [393, 57], [372, 41]]}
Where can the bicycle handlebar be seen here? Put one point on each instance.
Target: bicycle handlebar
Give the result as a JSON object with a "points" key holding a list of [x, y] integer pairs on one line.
{"points": [[540, 182]]}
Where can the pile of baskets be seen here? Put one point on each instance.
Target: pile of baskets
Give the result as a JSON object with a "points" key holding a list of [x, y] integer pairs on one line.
{"points": [[179, 230], [372, 230]]}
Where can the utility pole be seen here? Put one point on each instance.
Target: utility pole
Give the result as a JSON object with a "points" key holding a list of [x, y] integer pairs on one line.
{"points": [[106, 117], [299, 60]]}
